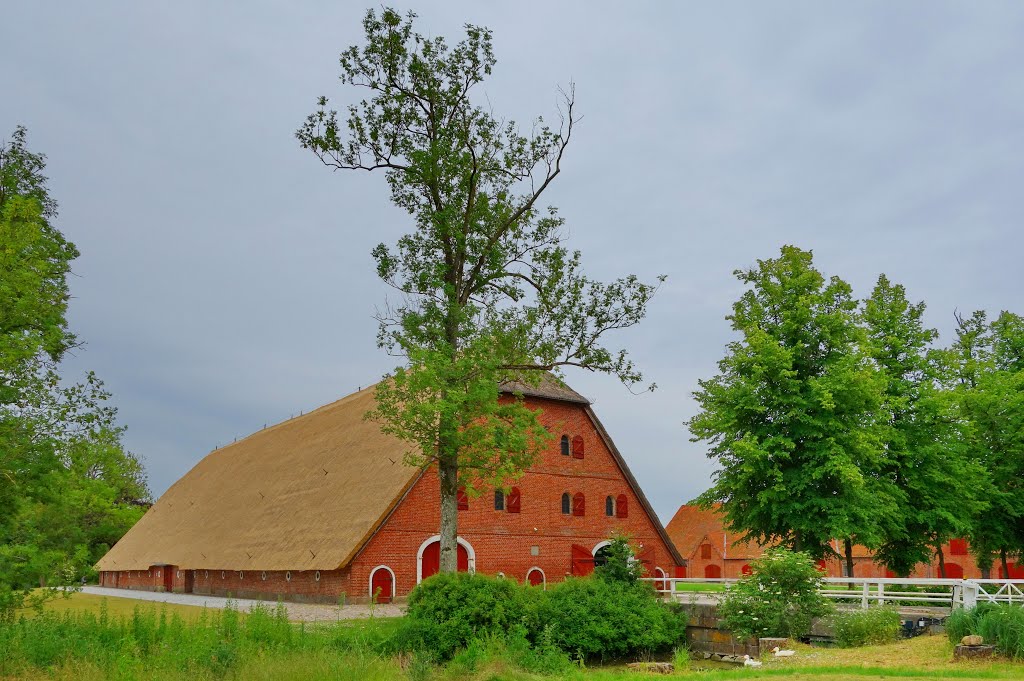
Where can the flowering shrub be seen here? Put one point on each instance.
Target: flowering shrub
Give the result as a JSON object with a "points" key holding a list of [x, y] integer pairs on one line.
{"points": [[779, 598]]}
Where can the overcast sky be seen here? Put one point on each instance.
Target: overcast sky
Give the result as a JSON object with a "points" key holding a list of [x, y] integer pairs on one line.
{"points": [[226, 282]]}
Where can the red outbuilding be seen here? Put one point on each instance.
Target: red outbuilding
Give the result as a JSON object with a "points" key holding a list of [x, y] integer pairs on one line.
{"points": [[321, 507]]}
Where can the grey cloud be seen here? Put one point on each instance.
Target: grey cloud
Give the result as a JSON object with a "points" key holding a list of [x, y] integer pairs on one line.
{"points": [[225, 280]]}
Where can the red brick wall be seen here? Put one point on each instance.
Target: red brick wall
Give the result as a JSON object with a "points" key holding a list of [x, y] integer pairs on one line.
{"points": [[501, 541]]}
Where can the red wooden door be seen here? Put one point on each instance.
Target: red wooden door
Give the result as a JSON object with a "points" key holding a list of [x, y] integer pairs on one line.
{"points": [[954, 571], [582, 560], [646, 558], [431, 562], [535, 578], [712, 572], [382, 586], [168, 578], [1016, 572]]}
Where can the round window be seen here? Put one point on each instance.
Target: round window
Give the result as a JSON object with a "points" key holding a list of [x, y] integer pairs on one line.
{"points": [[288, 576], [317, 576], [263, 576]]}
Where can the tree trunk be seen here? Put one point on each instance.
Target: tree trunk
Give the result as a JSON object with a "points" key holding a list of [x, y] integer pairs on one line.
{"points": [[798, 543], [1002, 559], [986, 573], [447, 449], [848, 545], [942, 561], [448, 472]]}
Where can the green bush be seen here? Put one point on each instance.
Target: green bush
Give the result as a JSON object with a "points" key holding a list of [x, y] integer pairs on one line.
{"points": [[608, 619], [619, 564], [779, 598], [854, 628], [447, 611]]}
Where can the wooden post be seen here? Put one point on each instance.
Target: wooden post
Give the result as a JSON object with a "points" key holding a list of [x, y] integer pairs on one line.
{"points": [[864, 596]]}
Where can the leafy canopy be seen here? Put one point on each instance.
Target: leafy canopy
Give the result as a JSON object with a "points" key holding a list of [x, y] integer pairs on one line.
{"points": [[68, 489], [940, 489], [791, 416]]}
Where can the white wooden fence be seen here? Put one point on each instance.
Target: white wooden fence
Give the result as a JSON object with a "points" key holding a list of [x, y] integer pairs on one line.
{"points": [[868, 591]]}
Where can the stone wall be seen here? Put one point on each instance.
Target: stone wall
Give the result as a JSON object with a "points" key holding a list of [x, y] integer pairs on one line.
{"points": [[705, 634]]}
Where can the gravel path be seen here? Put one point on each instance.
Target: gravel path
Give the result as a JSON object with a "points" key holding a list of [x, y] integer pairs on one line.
{"points": [[299, 612]]}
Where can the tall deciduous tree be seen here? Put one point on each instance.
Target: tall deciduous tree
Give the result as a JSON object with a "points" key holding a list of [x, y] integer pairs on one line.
{"points": [[488, 293], [940, 490], [68, 489], [791, 417], [990, 369]]}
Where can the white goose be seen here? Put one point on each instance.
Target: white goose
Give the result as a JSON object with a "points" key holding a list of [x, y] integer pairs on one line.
{"points": [[778, 652], [747, 662]]}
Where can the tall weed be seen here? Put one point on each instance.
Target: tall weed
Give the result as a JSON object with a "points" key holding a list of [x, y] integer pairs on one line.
{"points": [[854, 628]]}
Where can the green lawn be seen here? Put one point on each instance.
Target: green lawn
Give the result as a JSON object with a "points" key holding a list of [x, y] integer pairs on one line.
{"points": [[116, 607], [920, 658], [700, 587], [358, 650]]}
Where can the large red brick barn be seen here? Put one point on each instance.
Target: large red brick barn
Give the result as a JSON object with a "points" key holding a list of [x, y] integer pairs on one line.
{"points": [[321, 507]]}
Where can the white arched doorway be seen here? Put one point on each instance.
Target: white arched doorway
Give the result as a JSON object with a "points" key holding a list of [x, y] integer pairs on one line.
{"points": [[660, 575], [382, 584], [427, 563], [536, 577]]}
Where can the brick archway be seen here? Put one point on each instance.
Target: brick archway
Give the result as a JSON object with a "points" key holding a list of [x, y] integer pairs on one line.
{"points": [[382, 577], [425, 557]]}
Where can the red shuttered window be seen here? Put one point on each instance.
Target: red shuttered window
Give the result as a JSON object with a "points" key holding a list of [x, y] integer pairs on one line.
{"points": [[513, 500], [579, 504]]}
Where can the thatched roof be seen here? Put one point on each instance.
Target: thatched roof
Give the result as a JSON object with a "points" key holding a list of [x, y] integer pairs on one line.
{"points": [[301, 495], [549, 387]]}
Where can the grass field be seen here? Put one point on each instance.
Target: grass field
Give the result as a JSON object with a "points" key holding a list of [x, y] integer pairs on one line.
{"points": [[149, 645], [921, 658], [116, 607], [700, 587]]}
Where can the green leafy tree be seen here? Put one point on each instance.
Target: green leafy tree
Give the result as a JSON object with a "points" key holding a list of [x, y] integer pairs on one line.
{"points": [[488, 293], [940, 489], [989, 365], [68, 488], [791, 417], [35, 259]]}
